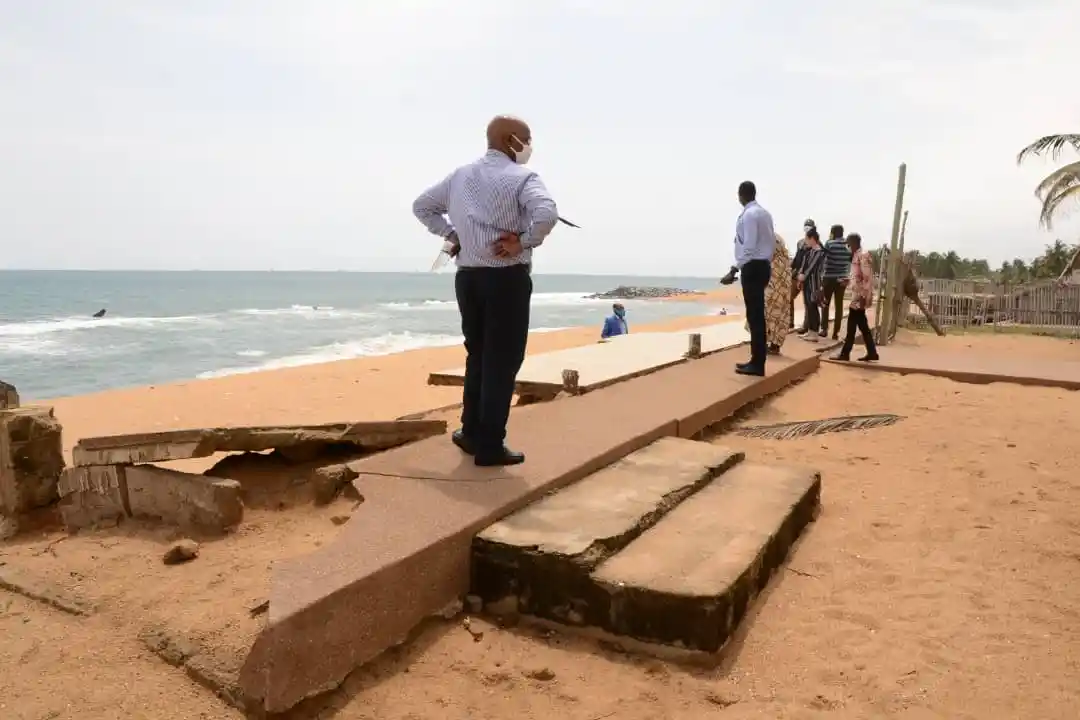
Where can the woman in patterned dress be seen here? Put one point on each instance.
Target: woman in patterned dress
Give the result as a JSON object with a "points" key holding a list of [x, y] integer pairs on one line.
{"points": [[778, 299]]}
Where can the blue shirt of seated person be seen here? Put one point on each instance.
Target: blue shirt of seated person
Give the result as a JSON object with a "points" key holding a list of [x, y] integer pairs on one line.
{"points": [[615, 324]]}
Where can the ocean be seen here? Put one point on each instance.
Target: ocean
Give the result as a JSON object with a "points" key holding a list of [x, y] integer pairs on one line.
{"points": [[168, 326]]}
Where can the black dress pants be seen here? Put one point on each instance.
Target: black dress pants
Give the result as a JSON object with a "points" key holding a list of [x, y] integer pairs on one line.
{"points": [[494, 306], [755, 276], [833, 291], [857, 321]]}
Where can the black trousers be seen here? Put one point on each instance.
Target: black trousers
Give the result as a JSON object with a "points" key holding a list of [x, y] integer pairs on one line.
{"points": [[812, 318], [833, 290], [755, 276], [494, 306], [794, 282], [856, 320]]}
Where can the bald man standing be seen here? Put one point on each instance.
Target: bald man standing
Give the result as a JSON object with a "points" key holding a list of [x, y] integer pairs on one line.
{"points": [[495, 211]]}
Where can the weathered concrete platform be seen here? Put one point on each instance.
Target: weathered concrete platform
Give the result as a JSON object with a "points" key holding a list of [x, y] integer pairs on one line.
{"points": [[203, 442], [690, 580], [605, 363], [543, 554], [974, 368], [408, 557]]}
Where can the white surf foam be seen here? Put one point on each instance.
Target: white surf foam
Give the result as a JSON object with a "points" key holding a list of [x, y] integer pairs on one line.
{"points": [[32, 328], [382, 345], [306, 311], [554, 299]]}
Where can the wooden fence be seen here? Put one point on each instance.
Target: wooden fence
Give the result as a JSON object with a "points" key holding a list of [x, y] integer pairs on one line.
{"points": [[1046, 305]]}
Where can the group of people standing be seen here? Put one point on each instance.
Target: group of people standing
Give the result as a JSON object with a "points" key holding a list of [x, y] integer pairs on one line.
{"points": [[823, 274], [494, 212]]}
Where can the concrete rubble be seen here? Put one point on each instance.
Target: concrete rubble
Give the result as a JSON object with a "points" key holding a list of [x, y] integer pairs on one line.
{"points": [[31, 460], [9, 397], [112, 478]]}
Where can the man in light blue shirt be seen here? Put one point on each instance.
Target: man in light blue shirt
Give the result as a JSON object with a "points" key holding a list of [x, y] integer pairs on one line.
{"points": [[499, 211], [755, 242]]}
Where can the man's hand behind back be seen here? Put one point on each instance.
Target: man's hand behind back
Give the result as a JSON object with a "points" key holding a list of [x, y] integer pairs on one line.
{"points": [[508, 246]]}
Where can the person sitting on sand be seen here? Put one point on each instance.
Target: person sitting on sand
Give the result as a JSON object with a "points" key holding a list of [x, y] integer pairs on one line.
{"points": [[615, 324]]}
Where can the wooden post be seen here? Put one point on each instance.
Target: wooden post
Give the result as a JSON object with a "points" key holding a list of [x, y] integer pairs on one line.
{"points": [[899, 307], [892, 277], [694, 349], [570, 381]]}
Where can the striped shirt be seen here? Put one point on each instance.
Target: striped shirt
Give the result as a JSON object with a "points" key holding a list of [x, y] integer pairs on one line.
{"points": [[484, 199], [837, 259]]}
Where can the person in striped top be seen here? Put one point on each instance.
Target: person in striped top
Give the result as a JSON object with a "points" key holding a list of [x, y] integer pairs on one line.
{"points": [[494, 212], [834, 279]]}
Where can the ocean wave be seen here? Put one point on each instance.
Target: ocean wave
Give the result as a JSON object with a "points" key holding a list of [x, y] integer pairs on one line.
{"points": [[32, 347], [302, 311], [551, 299], [251, 353], [32, 328], [369, 347]]}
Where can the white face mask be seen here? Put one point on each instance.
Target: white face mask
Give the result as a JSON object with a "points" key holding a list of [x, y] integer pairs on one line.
{"points": [[521, 157]]}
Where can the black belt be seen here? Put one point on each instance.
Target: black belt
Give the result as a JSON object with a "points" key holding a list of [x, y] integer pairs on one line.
{"points": [[490, 268]]}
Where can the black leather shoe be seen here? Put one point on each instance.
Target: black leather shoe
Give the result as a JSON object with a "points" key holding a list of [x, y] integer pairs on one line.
{"points": [[502, 456], [464, 444], [841, 358], [750, 370], [869, 358]]}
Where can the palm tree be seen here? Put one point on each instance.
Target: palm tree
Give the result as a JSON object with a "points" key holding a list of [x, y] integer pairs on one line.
{"points": [[1056, 257], [1059, 186]]}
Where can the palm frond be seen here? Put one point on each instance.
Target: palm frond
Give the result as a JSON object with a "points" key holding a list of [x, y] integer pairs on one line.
{"points": [[1051, 145], [1053, 205], [792, 430], [1059, 180]]}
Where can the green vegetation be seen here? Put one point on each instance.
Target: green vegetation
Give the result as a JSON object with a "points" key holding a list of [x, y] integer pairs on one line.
{"points": [[950, 266]]}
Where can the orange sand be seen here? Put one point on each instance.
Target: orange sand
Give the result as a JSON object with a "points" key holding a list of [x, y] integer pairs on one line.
{"points": [[369, 388], [941, 580]]}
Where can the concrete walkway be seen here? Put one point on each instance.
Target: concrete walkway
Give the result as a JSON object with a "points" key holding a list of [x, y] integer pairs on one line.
{"points": [[612, 361], [406, 556], [975, 368]]}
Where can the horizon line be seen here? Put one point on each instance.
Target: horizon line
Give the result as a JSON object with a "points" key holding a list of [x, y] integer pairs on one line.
{"points": [[313, 271]]}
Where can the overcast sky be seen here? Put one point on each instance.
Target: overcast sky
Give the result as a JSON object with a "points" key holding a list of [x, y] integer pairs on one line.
{"points": [[258, 134]]}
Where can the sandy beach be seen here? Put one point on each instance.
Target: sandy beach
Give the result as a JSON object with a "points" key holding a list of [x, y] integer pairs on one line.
{"points": [[939, 582], [369, 388]]}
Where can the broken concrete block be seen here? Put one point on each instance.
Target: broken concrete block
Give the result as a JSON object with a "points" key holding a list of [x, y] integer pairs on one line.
{"points": [[690, 580], [92, 496], [542, 555], [329, 481], [183, 499], [9, 398], [181, 552], [31, 458], [184, 444]]}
